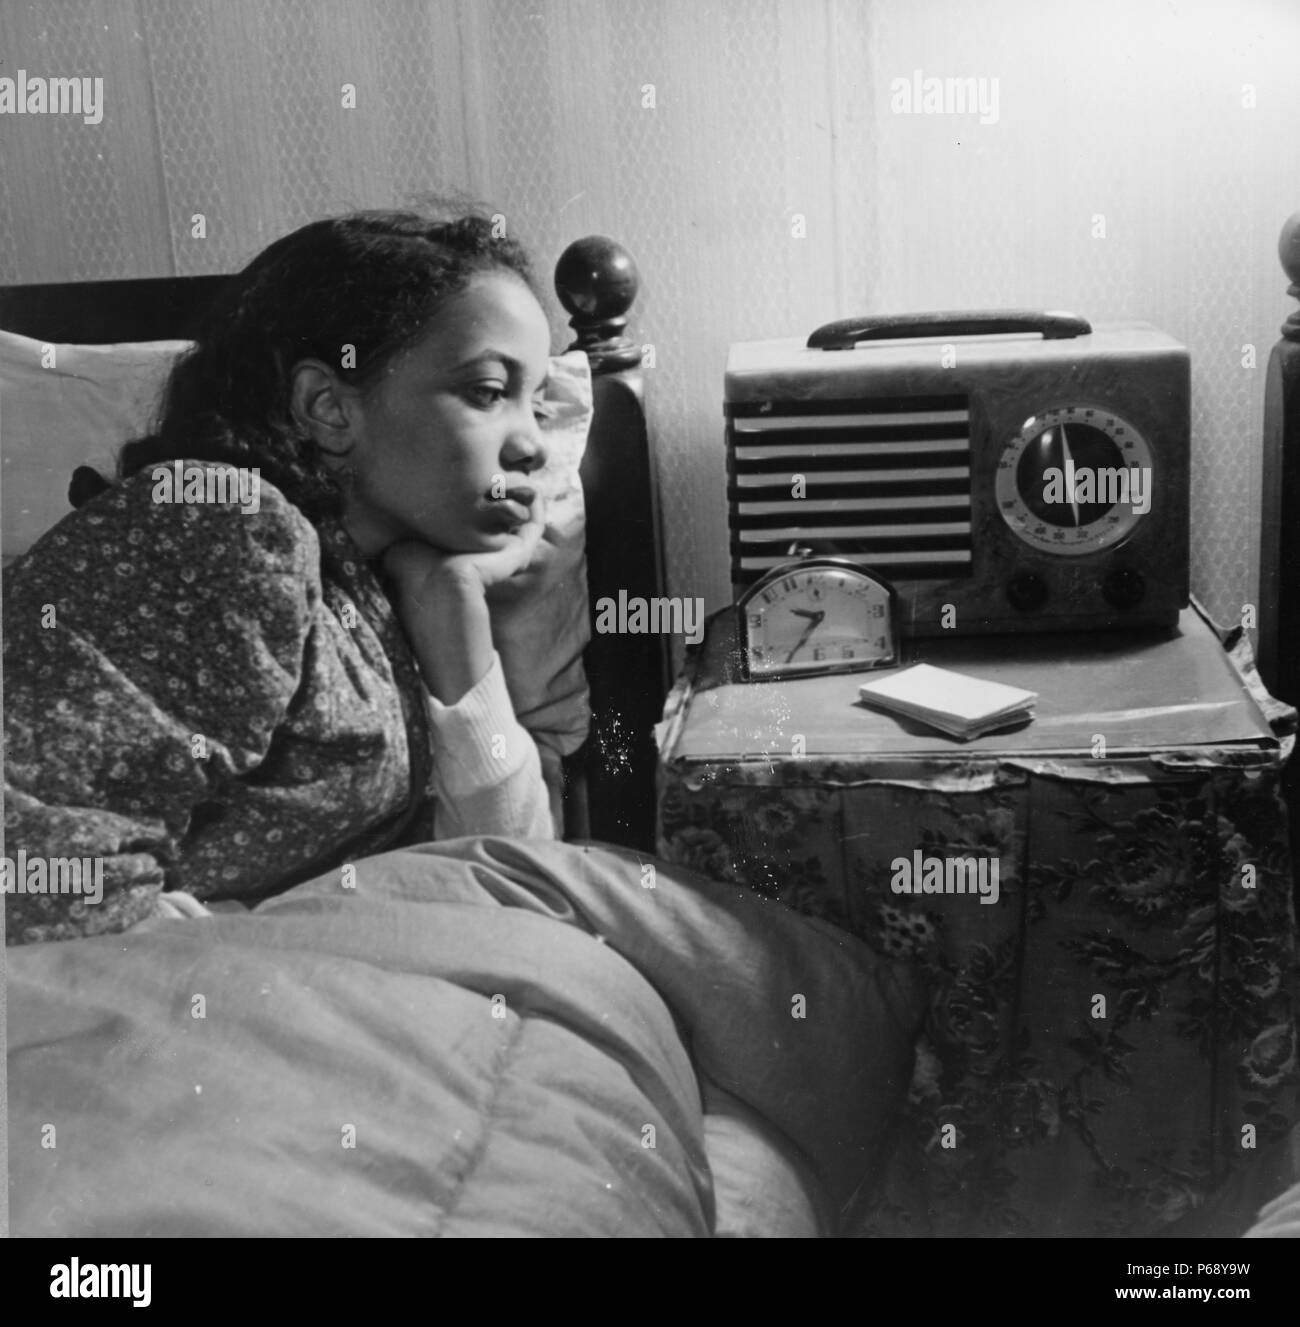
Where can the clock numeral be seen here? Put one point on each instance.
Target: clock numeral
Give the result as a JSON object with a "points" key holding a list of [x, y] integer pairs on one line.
{"points": [[877, 610], [882, 645], [847, 653], [755, 621], [818, 653]]}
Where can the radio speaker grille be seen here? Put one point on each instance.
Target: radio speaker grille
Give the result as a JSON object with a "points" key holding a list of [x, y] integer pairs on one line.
{"points": [[886, 480]]}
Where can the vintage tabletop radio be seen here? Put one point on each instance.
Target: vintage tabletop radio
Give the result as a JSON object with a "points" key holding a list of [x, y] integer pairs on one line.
{"points": [[1006, 471]]}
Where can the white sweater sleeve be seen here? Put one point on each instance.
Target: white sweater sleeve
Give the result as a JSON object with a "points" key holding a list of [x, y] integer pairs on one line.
{"points": [[487, 774]]}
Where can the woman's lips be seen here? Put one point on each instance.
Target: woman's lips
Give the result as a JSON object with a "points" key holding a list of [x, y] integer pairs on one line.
{"points": [[514, 509]]}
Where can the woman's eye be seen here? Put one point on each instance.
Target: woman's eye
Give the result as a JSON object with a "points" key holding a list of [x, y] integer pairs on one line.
{"points": [[485, 394], [543, 412]]}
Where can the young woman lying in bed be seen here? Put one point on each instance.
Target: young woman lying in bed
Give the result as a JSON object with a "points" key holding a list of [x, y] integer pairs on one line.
{"points": [[245, 697], [257, 701]]}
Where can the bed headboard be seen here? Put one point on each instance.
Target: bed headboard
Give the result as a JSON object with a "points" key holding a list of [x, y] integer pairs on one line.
{"points": [[1279, 591], [629, 675], [1279, 578], [610, 782]]}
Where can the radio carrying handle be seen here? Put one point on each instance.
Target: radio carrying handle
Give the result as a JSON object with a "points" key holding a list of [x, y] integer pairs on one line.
{"points": [[846, 333]]}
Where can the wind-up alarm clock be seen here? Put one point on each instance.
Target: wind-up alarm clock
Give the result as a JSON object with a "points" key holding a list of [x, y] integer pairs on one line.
{"points": [[816, 614], [1008, 471]]}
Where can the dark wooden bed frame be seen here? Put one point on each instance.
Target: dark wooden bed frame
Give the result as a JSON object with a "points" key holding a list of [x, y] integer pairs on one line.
{"points": [[1279, 589], [610, 782]]}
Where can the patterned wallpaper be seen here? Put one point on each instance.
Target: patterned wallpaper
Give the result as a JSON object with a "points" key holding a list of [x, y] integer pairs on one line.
{"points": [[694, 131]]}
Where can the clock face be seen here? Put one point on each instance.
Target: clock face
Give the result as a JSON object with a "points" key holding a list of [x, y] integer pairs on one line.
{"points": [[1074, 480], [817, 616]]}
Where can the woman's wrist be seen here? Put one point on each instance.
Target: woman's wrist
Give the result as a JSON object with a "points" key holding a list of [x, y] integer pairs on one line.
{"points": [[450, 629]]}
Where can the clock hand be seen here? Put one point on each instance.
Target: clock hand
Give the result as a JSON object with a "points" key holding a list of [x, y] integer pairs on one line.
{"points": [[816, 615], [812, 626]]}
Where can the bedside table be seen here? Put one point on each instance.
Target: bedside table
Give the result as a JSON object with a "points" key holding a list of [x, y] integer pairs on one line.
{"points": [[1112, 1026]]}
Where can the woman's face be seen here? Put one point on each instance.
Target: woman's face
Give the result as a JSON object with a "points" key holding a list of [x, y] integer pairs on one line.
{"points": [[444, 442]]}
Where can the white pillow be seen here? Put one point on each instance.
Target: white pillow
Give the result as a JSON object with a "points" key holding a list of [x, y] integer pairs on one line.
{"points": [[62, 406]]}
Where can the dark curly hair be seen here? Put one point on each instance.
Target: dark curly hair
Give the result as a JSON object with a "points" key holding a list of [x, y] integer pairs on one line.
{"points": [[369, 280]]}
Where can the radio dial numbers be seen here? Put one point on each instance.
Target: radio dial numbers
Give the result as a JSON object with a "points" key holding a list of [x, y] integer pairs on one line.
{"points": [[1055, 479]]}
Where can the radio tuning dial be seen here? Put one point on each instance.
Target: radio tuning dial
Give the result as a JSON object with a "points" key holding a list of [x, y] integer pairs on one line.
{"points": [[1074, 480]]}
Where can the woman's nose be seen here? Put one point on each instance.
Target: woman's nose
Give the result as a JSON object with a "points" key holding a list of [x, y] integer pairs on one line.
{"points": [[525, 449]]}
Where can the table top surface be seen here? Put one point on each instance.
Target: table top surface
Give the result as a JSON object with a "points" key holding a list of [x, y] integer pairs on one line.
{"points": [[1162, 690]]}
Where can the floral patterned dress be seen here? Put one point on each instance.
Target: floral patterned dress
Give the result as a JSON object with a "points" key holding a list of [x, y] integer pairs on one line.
{"points": [[212, 700]]}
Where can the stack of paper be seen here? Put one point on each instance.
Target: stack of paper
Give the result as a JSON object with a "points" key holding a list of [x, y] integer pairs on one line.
{"points": [[961, 706]]}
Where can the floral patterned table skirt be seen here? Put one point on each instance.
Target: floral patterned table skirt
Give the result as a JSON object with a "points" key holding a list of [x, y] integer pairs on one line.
{"points": [[1111, 1040]]}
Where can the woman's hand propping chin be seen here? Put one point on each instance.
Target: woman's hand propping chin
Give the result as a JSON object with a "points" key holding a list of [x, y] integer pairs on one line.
{"points": [[442, 603], [419, 569]]}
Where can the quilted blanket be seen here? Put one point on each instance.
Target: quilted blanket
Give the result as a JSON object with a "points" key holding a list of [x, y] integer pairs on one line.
{"points": [[475, 1037]]}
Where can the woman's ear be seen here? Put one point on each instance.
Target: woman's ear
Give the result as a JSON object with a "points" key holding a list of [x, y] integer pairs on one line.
{"points": [[322, 406]]}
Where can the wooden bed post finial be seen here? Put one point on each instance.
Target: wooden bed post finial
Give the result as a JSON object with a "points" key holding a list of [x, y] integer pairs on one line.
{"points": [[1288, 251], [597, 281]]}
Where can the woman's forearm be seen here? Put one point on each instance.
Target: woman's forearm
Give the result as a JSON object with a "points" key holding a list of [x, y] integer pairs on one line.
{"points": [[487, 775], [487, 770], [450, 630]]}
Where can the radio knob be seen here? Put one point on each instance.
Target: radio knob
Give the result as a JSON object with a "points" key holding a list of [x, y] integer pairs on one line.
{"points": [[1027, 591], [1124, 588]]}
